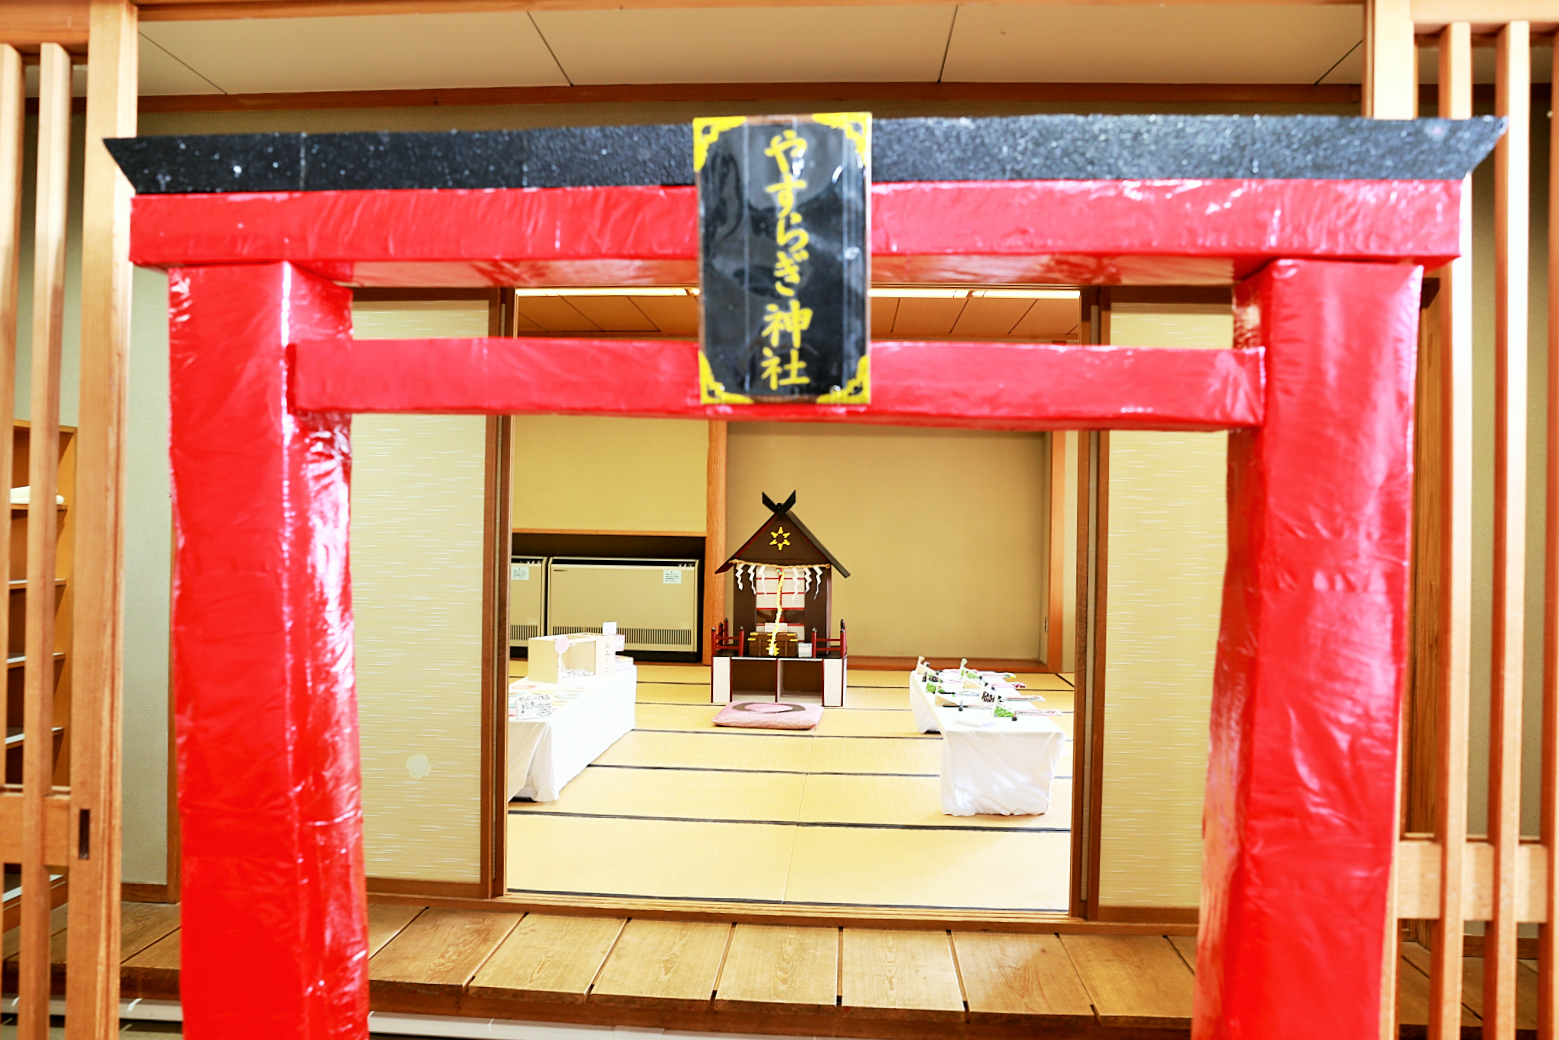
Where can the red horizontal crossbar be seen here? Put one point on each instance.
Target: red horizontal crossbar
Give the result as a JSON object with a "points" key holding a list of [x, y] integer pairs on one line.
{"points": [[1069, 232], [980, 385]]}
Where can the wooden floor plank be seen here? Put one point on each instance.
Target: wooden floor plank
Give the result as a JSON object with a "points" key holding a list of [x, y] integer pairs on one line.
{"points": [[156, 965], [11, 942], [777, 968], [142, 924], [1133, 980], [900, 974], [672, 965], [548, 958], [1185, 945], [438, 953], [1020, 979], [1413, 988], [385, 922], [1526, 992]]}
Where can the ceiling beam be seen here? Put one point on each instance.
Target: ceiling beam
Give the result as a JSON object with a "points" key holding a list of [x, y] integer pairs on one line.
{"points": [[27, 24], [743, 93], [206, 10]]}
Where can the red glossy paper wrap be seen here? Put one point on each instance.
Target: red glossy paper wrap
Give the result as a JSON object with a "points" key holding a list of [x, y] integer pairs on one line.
{"points": [[1299, 823], [1078, 232], [980, 385], [274, 934]]}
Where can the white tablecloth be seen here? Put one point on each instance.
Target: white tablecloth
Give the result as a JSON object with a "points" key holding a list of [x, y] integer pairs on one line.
{"points": [[545, 754], [990, 765]]}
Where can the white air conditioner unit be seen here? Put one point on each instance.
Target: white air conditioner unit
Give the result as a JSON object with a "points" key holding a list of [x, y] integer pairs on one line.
{"points": [[654, 602], [527, 598]]}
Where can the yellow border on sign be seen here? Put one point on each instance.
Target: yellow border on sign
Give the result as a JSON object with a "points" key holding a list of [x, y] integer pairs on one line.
{"points": [[857, 126], [857, 391], [706, 131], [710, 389]]}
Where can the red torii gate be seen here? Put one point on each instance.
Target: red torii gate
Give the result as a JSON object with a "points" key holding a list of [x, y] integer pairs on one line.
{"points": [[1317, 389]]}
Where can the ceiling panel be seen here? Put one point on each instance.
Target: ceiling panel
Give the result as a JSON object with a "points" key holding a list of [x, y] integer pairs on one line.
{"points": [[1049, 321], [672, 315], [162, 73], [369, 52], [1140, 44], [926, 319], [554, 314], [612, 313], [986, 318], [750, 44]]}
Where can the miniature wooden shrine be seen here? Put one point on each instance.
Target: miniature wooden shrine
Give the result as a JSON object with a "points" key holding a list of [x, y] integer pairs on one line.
{"points": [[782, 614]]}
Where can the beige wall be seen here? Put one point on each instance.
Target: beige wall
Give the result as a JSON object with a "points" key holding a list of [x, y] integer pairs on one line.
{"points": [[595, 473], [942, 530], [418, 485], [1164, 580]]}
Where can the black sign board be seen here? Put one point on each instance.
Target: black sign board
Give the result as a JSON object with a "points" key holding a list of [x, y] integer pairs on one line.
{"points": [[784, 258]]}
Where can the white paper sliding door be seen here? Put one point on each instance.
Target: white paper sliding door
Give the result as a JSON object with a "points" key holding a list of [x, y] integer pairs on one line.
{"points": [[1167, 547], [418, 484]]}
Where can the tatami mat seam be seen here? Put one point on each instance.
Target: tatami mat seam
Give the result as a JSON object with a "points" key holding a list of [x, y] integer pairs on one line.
{"points": [[777, 902], [795, 823], [787, 772]]}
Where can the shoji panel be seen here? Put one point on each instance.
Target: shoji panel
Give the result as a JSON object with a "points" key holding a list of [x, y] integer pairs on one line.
{"points": [[1167, 548], [417, 499]]}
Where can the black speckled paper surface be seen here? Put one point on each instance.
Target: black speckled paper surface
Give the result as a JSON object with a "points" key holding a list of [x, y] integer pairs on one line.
{"points": [[1006, 148]]}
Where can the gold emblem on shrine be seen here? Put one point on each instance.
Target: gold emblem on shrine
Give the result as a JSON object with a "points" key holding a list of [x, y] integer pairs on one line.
{"points": [[779, 538]]}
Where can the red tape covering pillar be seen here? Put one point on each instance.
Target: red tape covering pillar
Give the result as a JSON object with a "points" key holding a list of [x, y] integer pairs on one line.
{"points": [[274, 936], [1301, 788]]}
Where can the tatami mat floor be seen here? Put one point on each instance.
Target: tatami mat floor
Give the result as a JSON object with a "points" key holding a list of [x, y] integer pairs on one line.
{"points": [[848, 814]]}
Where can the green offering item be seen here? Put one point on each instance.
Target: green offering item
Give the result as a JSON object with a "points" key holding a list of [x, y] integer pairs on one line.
{"points": [[1001, 711]]}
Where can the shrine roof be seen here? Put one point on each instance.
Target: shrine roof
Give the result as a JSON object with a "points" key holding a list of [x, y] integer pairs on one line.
{"points": [[1037, 147], [754, 551]]}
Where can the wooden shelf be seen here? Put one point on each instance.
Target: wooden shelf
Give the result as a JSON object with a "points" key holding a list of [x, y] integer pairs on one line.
{"points": [[15, 509], [13, 735], [17, 660], [20, 584]]}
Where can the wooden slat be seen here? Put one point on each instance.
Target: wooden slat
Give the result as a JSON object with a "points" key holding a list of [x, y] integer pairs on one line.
{"points": [[714, 528], [780, 968], [673, 965], [1020, 979], [43, 462], [1133, 980], [438, 953], [1452, 712], [548, 958], [1390, 69], [96, 613], [385, 922], [1484, 13], [1419, 886], [900, 975], [56, 828], [1513, 59], [1548, 784]]}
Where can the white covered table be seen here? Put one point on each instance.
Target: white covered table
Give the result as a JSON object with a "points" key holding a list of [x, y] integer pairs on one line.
{"points": [[990, 765], [546, 753]]}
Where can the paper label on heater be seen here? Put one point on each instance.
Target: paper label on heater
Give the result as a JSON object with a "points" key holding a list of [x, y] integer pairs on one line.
{"points": [[671, 577], [519, 572]]}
